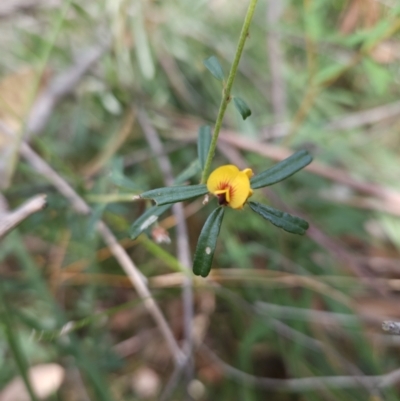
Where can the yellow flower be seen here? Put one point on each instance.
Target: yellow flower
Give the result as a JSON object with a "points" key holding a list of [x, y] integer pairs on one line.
{"points": [[230, 185]]}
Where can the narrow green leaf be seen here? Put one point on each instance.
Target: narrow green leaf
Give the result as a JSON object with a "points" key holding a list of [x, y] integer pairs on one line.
{"points": [[149, 217], [203, 144], [165, 195], [287, 222], [152, 214], [282, 170], [241, 107], [207, 242], [213, 65]]}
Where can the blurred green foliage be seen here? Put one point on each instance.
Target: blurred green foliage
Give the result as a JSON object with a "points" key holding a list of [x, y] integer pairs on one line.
{"points": [[54, 268]]}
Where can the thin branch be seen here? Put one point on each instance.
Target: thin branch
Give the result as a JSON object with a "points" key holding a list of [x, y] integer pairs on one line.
{"points": [[171, 384], [364, 117], [303, 384], [309, 315], [300, 338], [226, 93], [349, 121], [183, 247], [136, 278], [12, 219]]}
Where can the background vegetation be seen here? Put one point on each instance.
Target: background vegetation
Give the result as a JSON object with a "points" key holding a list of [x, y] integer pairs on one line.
{"points": [[95, 90]]}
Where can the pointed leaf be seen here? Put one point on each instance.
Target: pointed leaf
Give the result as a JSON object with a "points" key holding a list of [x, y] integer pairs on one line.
{"points": [[152, 214], [282, 170], [203, 144], [149, 217], [287, 222], [213, 65], [165, 195], [207, 242], [241, 107]]}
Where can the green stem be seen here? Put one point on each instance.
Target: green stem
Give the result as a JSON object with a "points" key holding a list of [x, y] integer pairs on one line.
{"points": [[226, 93]]}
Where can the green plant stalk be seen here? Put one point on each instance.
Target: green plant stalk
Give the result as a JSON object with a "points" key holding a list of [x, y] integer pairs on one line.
{"points": [[15, 345], [226, 93]]}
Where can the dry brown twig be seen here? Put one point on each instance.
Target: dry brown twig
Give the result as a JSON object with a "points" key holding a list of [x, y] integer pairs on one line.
{"points": [[183, 248], [138, 281], [10, 220], [307, 383], [364, 117]]}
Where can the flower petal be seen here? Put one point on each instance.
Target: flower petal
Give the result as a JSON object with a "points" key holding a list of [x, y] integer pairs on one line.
{"points": [[248, 172], [221, 177], [240, 190], [231, 186]]}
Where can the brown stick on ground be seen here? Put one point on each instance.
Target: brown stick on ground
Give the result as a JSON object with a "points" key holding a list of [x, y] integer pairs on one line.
{"points": [[136, 278], [183, 247], [9, 221]]}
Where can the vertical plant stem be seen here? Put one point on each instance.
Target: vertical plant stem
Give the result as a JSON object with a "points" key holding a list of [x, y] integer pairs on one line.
{"points": [[226, 93]]}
